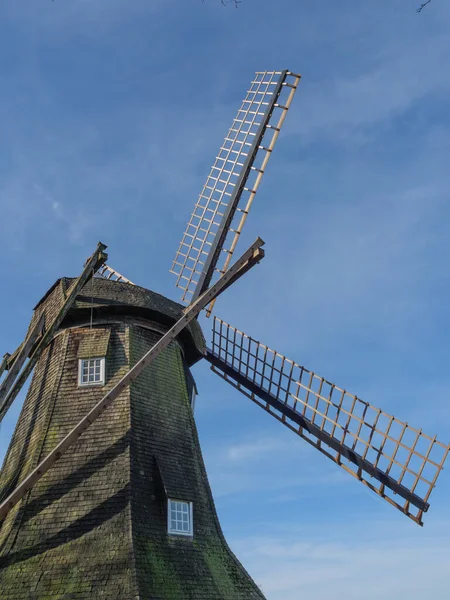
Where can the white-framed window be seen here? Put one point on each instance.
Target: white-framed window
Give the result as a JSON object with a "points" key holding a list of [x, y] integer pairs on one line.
{"points": [[179, 517], [91, 371]]}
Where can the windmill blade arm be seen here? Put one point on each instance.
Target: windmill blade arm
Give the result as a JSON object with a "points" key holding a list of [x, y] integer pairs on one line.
{"points": [[255, 255], [9, 359], [399, 463], [213, 230], [4, 365], [17, 363], [91, 266]]}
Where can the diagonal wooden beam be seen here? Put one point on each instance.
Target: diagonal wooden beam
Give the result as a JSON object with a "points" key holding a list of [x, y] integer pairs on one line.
{"points": [[251, 257], [21, 357], [4, 364], [12, 357], [91, 266]]}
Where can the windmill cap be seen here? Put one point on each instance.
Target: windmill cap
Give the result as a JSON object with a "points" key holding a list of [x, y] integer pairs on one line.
{"points": [[109, 298]]}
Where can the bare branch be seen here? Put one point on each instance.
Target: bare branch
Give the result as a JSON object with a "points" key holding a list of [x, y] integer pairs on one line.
{"points": [[422, 6], [226, 2]]}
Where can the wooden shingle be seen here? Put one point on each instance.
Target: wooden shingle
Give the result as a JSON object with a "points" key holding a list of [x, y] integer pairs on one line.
{"points": [[95, 526]]}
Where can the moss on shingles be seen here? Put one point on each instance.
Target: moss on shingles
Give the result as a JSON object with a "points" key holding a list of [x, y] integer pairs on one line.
{"points": [[216, 559], [75, 583], [95, 525], [164, 577], [72, 529], [163, 423]]}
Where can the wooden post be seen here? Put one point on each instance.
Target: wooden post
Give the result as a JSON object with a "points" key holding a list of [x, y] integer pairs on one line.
{"points": [[4, 363], [25, 350]]}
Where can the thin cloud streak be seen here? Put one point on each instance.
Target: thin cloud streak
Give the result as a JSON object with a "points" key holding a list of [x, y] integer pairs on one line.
{"points": [[288, 568], [242, 468]]}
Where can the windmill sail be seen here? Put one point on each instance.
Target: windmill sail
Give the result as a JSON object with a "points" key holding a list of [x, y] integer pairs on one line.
{"points": [[398, 462], [107, 272], [222, 208]]}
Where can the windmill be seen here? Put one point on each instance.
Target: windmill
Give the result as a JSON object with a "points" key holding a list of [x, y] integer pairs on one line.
{"points": [[103, 492]]}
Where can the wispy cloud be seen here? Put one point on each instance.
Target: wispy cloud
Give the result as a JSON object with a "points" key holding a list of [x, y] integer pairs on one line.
{"points": [[255, 449], [361, 98], [289, 567], [242, 467], [53, 18]]}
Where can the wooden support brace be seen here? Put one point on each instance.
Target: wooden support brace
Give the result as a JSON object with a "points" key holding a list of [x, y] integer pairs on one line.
{"points": [[25, 350], [91, 266], [251, 257], [12, 357], [4, 363]]}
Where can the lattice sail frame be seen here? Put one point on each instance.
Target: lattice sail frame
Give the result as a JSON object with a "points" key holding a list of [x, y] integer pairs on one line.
{"points": [[107, 272], [402, 453], [209, 240]]}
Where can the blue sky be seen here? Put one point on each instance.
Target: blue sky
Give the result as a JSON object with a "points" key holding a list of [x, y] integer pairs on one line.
{"points": [[111, 114]]}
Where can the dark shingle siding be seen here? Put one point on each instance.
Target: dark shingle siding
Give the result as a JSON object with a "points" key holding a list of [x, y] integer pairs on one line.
{"points": [[104, 294], [163, 425], [73, 528], [95, 526], [26, 444]]}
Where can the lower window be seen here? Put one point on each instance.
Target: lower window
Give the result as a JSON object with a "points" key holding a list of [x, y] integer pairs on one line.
{"points": [[179, 517]]}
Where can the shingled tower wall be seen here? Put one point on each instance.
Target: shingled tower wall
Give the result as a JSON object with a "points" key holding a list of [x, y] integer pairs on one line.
{"points": [[95, 525]]}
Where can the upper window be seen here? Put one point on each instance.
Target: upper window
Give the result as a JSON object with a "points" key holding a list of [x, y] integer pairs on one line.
{"points": [[180, 517], [91, 371]]}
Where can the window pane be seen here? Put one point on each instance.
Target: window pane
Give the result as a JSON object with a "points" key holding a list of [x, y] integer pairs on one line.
{"points": [[91, 370], [180, 517]]}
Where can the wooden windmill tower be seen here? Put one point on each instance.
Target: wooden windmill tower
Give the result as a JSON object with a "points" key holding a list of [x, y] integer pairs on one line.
{"points": [[103, 492]]}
